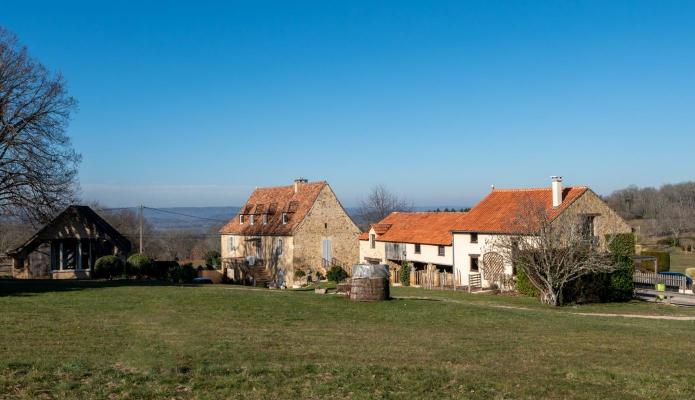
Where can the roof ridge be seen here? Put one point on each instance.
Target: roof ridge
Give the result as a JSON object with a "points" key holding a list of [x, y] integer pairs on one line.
{"points": [[290, 186], [535, 189]]}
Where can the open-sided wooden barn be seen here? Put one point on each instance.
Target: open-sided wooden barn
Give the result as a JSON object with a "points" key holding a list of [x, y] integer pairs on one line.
{"points": [[71, 243]]}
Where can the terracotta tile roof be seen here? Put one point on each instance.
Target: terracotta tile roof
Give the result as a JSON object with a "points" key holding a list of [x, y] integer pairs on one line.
{"points": [[417, 227], [498, 212], [274, 201]]}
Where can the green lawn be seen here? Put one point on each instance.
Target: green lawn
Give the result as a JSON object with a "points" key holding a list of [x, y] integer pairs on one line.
{"points": [[90, 340], [680, 260]]}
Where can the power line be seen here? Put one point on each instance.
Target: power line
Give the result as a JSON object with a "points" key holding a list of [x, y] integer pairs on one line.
{"points": [[186, 215]]}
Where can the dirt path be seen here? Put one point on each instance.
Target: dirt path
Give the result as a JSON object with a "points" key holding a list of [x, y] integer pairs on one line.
{"points": [[585, 314]]}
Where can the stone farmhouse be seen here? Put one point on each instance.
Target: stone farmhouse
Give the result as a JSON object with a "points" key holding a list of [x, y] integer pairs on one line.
{"points": [[284, 229], [474, 234]]}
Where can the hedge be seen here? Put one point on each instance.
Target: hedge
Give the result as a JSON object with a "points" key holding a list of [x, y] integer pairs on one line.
{"points": [[337, 274], [524, 285], [663, 258], [140, 265], [405, 274], [621, 286], [108, 267]]}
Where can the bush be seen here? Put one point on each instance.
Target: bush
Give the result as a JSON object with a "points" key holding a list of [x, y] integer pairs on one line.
{"points": [[188, 273], [298, 274], [108, 267], [212, 258], [663, 259], [524, 285], [337, 274], [622, 248], [405, 274], [160, 269], [668, 241], [140, 265]]}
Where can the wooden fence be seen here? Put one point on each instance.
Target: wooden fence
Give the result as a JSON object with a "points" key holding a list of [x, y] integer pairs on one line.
{"points": [[438, 280], [649, 279]]}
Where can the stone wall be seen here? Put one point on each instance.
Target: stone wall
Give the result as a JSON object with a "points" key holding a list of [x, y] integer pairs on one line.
{"points": [[606, 221], [326, 220]]}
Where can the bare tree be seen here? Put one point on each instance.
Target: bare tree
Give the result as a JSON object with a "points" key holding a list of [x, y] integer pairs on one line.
{"points": [[38, 166], [379, 203], [552, 253]]}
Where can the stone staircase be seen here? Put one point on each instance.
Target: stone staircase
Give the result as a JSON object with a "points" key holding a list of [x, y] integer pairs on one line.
{"points": [[261, 276]]}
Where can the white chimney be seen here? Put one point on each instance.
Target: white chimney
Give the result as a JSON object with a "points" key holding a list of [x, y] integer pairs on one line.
{"points": [[297, 182], [556, 185]]}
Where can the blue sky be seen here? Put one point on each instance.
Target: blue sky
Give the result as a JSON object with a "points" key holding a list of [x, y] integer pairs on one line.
{"points": [[197, 103]]}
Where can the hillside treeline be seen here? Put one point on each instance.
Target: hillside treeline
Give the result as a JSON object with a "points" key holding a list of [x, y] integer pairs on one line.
{"points": [[667, 211]]}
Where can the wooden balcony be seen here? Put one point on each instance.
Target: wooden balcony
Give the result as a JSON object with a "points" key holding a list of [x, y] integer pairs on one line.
{"points": [[395, 251]]}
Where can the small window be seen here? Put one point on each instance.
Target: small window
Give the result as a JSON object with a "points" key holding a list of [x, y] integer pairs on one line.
{"points": [[372, 240], [265, 219], [588, 227], [278, 247], [325, 225], [417, 248], [441, 251], [474, 263], [252, 219], [284, 218], [230, 244], [241, 219], [474, 238]]}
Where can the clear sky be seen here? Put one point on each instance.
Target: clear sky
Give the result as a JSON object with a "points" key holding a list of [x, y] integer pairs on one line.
{"points": [[196, 103]]}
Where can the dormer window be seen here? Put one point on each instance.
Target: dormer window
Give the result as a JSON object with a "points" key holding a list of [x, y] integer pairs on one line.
{"points": [[241, 219], [252, 219], [265, 219], [285, 218]]}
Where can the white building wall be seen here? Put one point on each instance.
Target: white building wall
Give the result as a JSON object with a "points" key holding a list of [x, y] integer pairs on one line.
{"points": [[366, 251], [463, 249], [430, 254]]}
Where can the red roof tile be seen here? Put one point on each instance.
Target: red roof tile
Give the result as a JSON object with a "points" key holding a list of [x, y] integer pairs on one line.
{"points": [[498, 212], [274, 201], [417, 227]]}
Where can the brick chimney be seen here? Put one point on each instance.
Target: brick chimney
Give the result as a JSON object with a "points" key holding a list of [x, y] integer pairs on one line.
{"points": [[297, 182], [556, 185]]}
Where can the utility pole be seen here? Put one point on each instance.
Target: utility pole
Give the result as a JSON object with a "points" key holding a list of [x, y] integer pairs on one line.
{"points": [[141, 223]]}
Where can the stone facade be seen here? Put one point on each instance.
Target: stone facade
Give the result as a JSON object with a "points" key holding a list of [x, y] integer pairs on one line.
{"points": [[326, 227], [606, 221], [326, 221]]}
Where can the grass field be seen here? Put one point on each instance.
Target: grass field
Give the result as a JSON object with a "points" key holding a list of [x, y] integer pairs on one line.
{"points": [[91, 340]]}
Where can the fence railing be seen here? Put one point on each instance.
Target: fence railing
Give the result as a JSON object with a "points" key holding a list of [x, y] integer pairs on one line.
{"points": [[395, 251], [650, 279]]}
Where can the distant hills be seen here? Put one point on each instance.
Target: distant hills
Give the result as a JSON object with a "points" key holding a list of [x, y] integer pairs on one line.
{"points": [[205, 219]]}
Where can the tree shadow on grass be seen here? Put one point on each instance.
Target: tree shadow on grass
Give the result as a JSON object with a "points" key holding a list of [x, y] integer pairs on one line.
{"points": [[21, 287]]}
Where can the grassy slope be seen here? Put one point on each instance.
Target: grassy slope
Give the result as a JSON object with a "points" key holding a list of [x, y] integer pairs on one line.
{"points": [[211, 342]]}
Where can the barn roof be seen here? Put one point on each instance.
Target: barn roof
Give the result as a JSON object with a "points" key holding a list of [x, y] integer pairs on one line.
{"points": [[417, 227], [76, 222]]}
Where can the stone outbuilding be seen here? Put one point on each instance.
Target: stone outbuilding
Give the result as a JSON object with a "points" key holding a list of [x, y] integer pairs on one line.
{"points": [[68, 246], [286, 229]]}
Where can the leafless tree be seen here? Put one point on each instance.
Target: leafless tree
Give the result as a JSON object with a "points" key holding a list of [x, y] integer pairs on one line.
{"points": [[379, 203], [552, 253], [668, 210], [38, 165]]}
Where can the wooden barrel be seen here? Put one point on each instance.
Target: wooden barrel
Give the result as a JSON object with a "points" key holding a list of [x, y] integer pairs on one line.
{"points": [[369, 289]]}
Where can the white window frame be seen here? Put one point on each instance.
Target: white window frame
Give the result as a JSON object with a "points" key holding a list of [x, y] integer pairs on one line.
{"points": [[241, 219], [252, 219], [284, 218], [230, 244], [265, 219]]}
